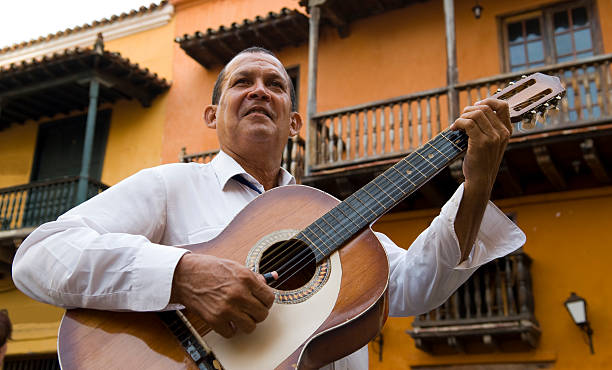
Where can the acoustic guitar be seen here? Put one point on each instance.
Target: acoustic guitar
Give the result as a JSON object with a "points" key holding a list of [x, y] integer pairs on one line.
{"points": [[331, 294]]}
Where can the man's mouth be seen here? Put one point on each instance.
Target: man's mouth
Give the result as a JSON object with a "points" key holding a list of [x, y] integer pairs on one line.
{"points": [[258, 110]]}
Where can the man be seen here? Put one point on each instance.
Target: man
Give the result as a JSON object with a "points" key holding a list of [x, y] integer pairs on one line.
{"points": [[5, 334], [113, 252]]}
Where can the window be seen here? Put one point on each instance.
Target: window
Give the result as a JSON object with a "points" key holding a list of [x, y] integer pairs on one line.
{"points": [[550, 35]]}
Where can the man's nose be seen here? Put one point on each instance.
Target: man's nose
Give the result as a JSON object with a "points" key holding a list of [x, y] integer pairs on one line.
{"points": [[259, 91]]}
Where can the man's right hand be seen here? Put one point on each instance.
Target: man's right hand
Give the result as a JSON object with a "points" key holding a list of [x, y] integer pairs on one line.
{"points": [[227, 295]]}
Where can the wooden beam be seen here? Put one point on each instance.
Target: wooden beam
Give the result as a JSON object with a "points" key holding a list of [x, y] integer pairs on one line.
{"points": [[548, 167], [337, 20], [507, 181], [589, 153], [311, 109], [36, 87]]}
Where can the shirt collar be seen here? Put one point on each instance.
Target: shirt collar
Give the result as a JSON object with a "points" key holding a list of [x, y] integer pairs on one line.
{"points": [[226, 167]]}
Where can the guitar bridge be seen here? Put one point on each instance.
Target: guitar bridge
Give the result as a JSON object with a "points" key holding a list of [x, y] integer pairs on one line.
{"points": [[190, 340]]}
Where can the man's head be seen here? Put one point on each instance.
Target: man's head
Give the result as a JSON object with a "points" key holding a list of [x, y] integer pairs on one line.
{"points": [[253, 49], [253, 106], [5, 332]]}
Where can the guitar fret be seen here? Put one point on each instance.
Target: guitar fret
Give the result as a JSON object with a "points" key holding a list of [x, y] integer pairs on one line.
{"points": [[311, 243], [342, 219], [428, 161]]}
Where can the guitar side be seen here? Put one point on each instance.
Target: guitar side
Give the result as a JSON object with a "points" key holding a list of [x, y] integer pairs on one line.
{"points": [[102, 339]]}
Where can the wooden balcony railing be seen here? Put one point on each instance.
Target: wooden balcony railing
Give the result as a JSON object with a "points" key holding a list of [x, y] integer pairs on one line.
{"points": [[394, 127], [292, 161], [494, 309], [35, 203]]}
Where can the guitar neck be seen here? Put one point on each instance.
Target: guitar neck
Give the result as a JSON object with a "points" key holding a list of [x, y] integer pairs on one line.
{"points": [[367, 204]]}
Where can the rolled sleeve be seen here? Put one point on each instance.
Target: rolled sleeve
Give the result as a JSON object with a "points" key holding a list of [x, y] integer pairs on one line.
{"points": [[429, 271]]}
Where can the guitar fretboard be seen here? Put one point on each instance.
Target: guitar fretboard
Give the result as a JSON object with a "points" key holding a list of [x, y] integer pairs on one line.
{"points": [[367, 204]]}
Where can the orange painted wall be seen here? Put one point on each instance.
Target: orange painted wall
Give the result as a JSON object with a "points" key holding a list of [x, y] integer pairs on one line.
{"points": [[570, 249], [192, 87]]}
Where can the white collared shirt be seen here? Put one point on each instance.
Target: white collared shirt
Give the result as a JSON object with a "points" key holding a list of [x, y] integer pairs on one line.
{"points": [[115, 251]]}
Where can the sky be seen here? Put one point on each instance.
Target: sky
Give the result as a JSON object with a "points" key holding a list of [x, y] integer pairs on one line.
{"points": [[23, 20]]}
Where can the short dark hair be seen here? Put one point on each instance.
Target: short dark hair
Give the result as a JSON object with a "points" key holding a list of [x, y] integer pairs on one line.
{"points": [[253, 49], [6, 329]]}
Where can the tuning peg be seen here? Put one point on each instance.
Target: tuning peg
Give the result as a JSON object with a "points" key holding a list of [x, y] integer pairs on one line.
{"points": [[546, 105], [534, 112], [523, 76], [558, 97], [499, 90], [527, 124], [511, 83]]}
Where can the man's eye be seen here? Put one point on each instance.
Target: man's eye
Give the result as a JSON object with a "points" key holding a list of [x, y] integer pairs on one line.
{"points": [[241, 81], [277, 84]]}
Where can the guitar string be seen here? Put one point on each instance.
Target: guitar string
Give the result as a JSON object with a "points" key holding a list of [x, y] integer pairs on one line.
{"points": [[416, 167], [280, 282], [284, 245], [298, 270]]}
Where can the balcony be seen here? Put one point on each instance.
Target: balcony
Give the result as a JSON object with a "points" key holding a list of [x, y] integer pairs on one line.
{"points": [[492, 311], [24, 207], [568, 150], [292, 161]]}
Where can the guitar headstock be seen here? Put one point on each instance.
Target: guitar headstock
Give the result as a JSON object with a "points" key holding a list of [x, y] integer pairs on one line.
{"points": [[531, 96]]}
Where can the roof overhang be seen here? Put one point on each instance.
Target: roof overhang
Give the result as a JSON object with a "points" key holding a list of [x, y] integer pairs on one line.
{"points": [[274, 32], [340, 13], [59, 83]]}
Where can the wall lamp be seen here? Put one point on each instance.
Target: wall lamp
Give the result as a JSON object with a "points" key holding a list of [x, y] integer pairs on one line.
{"points": [[576, 306], [477, 10]]}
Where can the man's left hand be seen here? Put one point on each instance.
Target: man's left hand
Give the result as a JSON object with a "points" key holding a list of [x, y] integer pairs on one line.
{"points": [[488, 126]]}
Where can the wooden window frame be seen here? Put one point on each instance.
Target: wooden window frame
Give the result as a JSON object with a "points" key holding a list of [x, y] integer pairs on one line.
{"points": [[545, 13]]}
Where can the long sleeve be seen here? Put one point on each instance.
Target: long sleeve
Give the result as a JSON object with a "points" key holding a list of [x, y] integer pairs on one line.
{"points": [[102, 254], [428, 272]]}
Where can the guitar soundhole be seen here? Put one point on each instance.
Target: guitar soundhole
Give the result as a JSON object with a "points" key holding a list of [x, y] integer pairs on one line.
{"points": [[293, 261]]}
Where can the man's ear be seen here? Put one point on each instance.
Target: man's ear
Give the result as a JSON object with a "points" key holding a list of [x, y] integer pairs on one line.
{"points": [[210, 116], [295, 124]]}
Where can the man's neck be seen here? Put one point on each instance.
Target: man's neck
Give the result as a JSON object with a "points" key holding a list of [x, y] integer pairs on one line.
{"points": [[264, 168]]}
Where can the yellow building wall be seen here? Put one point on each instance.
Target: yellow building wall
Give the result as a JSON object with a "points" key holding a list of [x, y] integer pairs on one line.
{"points": [[134, 142], [17, 144], [570, 251]]}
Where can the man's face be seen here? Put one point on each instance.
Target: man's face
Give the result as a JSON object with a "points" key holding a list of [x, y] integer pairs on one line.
{"points": [[255, 105]]}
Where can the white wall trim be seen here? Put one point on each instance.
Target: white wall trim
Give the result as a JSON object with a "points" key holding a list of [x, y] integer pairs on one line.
{"points": [[87, 38]]}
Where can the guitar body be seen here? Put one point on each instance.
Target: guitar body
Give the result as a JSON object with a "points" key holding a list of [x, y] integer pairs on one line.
{"points": [[347, 311]]}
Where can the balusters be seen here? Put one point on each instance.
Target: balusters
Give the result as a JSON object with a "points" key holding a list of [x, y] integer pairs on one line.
{"points": [[499, 300], [374, 132], [455, 299], [357, 141], [477, 296], [383, 143], [489, 276], [365, 133], [438, 122], [428, 118], [401, 126], [410, 126], [523, 284], [467, 299], [586, 90], [509, 287], [349, 130], [339, 140], [392, 144], [419, 124], [330, 140]]}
